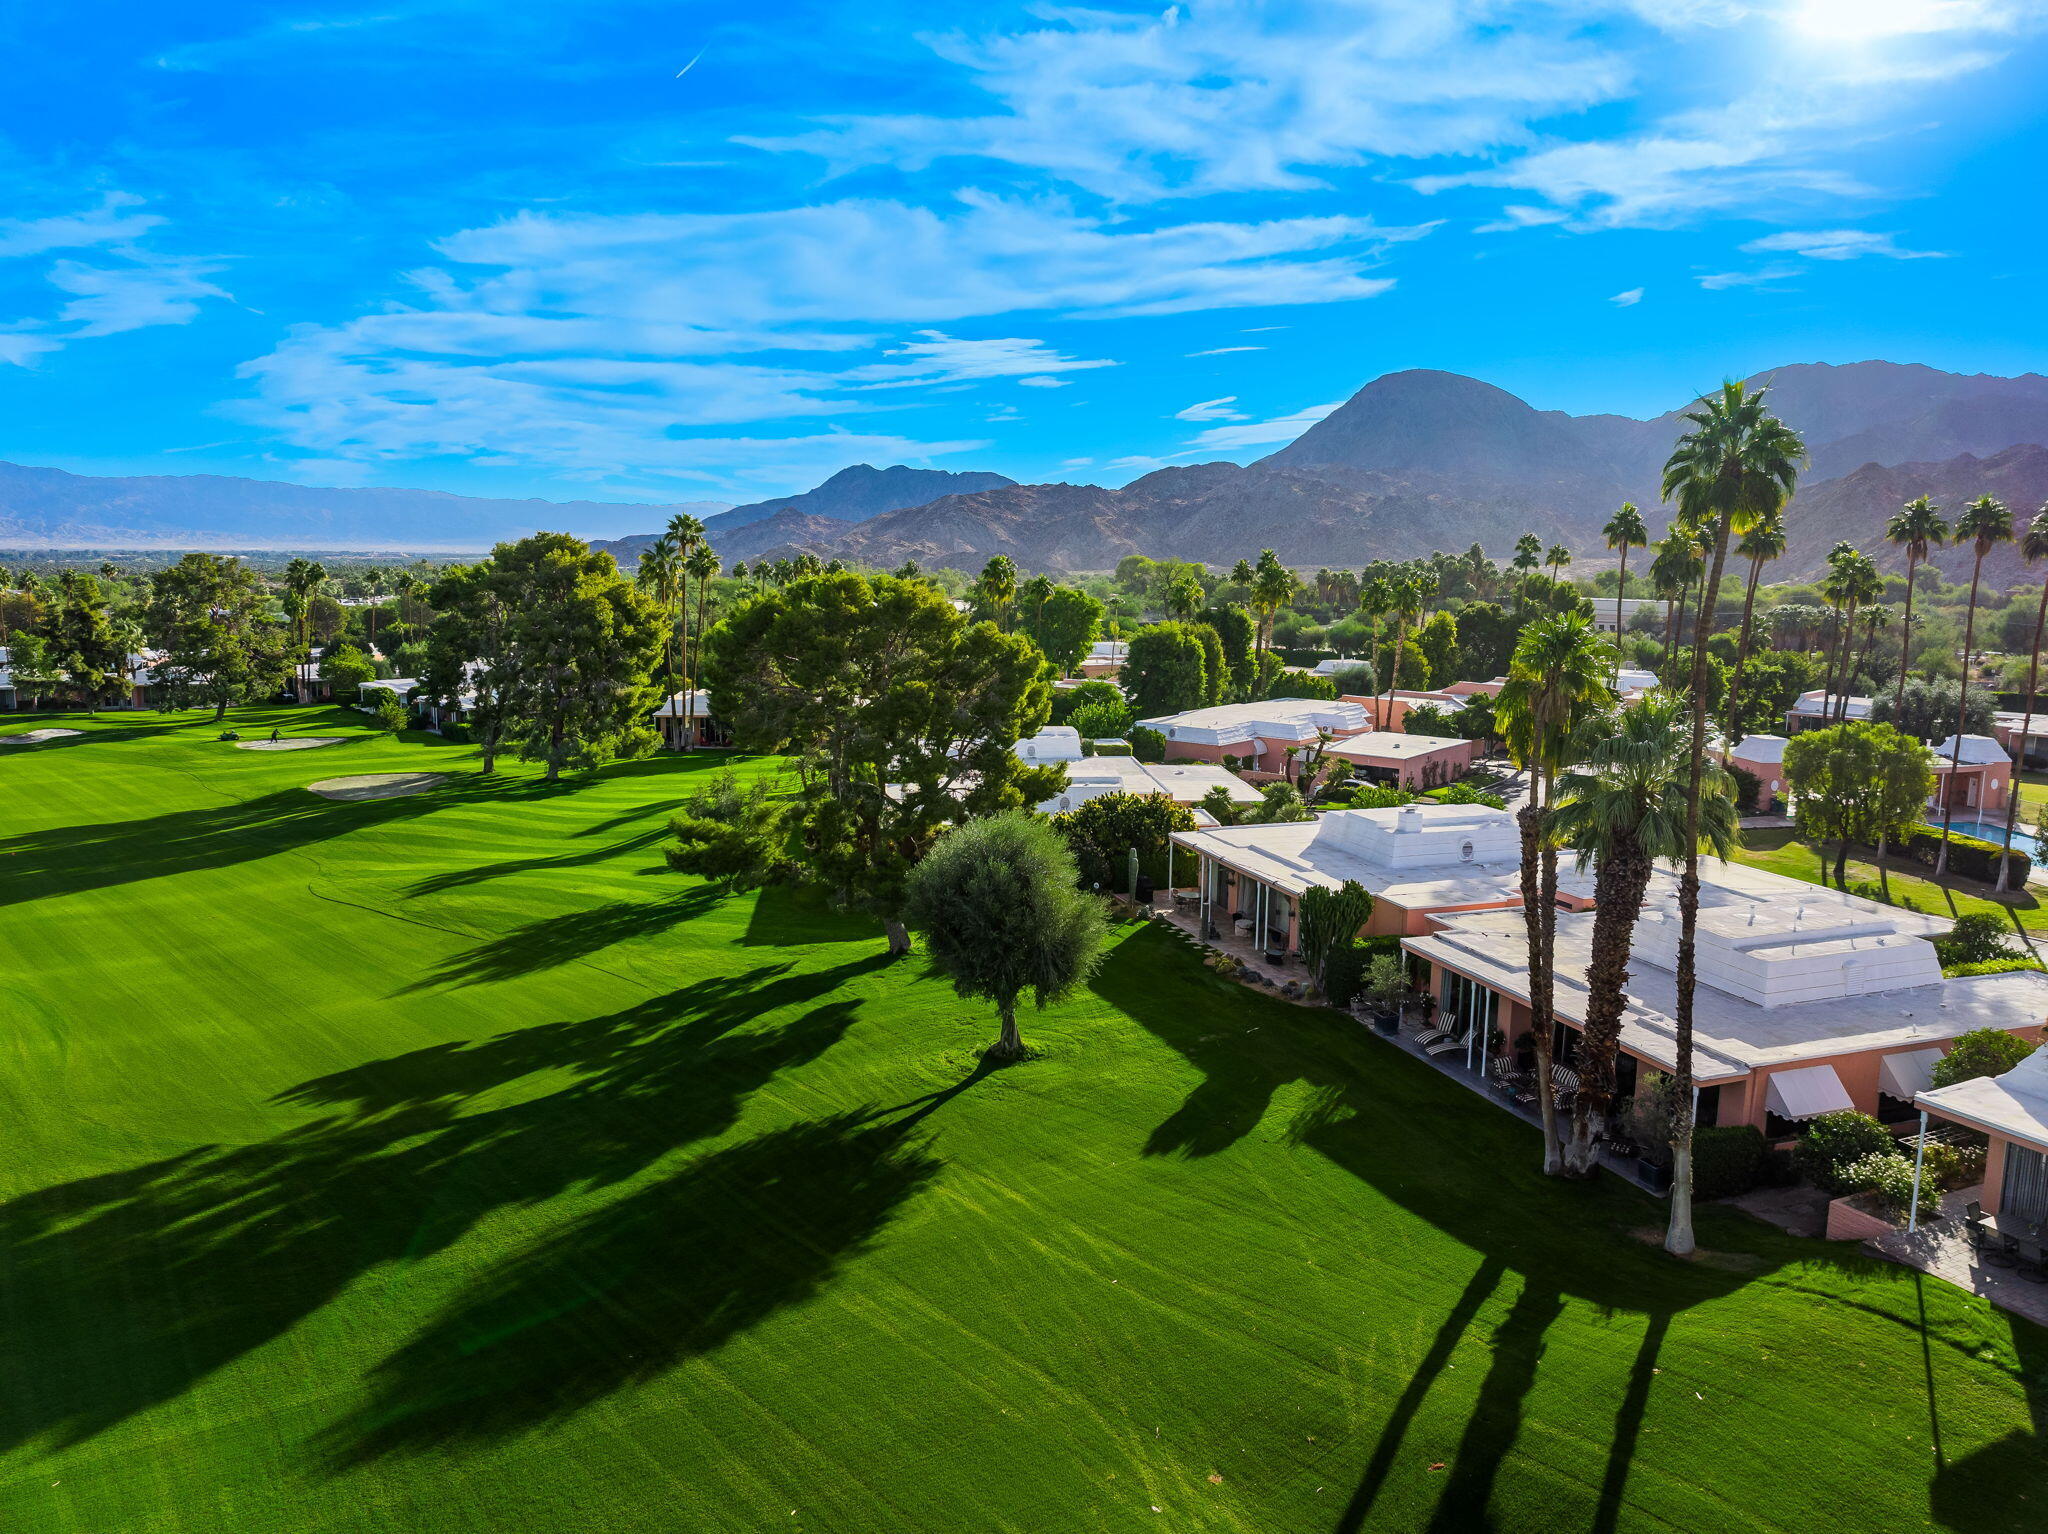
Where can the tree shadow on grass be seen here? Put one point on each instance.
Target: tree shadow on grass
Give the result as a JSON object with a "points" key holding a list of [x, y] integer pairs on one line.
{"points": [[1995, 1489], [462, 878], [119, 1292], [795, 916], [67, 859], [556, 940], [624, 1294]]}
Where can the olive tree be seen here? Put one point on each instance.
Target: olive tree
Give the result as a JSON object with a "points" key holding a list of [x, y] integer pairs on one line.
{"points": [[996, 903]]}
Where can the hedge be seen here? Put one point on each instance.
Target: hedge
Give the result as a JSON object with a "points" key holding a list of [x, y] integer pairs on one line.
{"points": [[1989, 967], [1968, 856], [1727, 1159]]}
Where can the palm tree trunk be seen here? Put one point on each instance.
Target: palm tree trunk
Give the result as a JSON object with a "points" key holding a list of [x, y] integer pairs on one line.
{"points": [[1678, 1236], [2019, 761], [1534, 817], [1617, 901], [1621, 587], [1756, 567], [1955, 755], [1905, 641], [1841, 708]]}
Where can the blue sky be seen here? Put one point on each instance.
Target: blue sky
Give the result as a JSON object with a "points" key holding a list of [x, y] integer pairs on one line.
{"points": [[632, 251]]}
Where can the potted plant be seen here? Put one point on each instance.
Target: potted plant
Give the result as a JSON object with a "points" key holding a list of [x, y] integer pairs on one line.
{"points": [[1649, 1125], [1385, 985]]}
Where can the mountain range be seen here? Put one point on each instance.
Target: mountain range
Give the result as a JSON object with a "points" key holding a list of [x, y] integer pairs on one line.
{"points": [[50, 508], [1423, 460], [1414, 461]]}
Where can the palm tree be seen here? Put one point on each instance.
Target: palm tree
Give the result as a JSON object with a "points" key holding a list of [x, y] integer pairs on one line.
{"points": [[1986, 522], [1034, 593], [1557, 557], [2033, 547], [1623, 811], [1405, 599], [663, 577], [1851, 581], [997, 588], [1528, 555], [684, 533], [702, 566], [1557, 680], [1184, 595], [1737, 464], [1763, 543], [1272, 585], [1917, 527], [1677, 565], [1624, 530]]}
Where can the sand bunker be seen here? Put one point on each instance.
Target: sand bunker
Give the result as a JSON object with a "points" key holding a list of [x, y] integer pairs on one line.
{"points": [[378, 785], [290, 743], [33, 736]]}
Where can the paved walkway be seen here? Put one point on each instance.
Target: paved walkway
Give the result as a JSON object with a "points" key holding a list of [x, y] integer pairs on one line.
{"points": [[1942, 1250]]}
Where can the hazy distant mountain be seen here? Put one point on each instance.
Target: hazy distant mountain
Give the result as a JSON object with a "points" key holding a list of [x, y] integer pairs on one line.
{"points": [[1424, 460], [49, 508], [1854, 507]]}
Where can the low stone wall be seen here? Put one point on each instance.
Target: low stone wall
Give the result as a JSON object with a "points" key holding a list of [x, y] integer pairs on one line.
{"points": [[1850, 1220]]}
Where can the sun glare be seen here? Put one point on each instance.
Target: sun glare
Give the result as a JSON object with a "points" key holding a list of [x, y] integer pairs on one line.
{"points": [[1864, 20]]}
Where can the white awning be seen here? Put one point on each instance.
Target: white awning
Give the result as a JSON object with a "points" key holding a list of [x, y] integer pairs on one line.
{"points": [[1902, 1075], [1811, 1090]]}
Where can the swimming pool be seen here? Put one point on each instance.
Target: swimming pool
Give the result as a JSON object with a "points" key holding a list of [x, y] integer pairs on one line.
{"points": [[1994, 831]]}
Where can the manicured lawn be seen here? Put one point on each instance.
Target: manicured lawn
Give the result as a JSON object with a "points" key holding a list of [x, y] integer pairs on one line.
{"points": [[1912, 884], [445, 1164]]}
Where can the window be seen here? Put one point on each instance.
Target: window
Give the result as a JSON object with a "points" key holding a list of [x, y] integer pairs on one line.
{"points": [[2025, 1194]]}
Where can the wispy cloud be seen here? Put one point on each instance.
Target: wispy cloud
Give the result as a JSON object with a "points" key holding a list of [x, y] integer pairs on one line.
{"points": [[1211, 410], [1223, 351], [110, 223], [1838, 245], [1283, 428], [1628, 299], [110, 299], [935, 357]]}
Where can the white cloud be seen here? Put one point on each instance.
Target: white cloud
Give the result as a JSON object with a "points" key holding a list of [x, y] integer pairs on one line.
{"points": [[1629, 299], [592, 345], [107, 300], [1234, 95], [1252, 330], [1260, 433], [1838, 245], [1714, 282], [936, 357], [125, 287], [1211, 410], [1039, 382], [1220, 351], [107, 224]]}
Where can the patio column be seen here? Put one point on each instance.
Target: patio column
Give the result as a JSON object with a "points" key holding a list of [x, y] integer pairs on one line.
{"points": [[1169, 869], [1919, 1159]]}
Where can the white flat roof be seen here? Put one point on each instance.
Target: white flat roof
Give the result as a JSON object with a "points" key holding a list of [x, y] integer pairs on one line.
{"points": [[1289, 721], [1817, 702], [1761, 748], [1977, 751], [676, 706], [1183, 782], [2014, 1105], [1734, 1036], [1386, 745]]}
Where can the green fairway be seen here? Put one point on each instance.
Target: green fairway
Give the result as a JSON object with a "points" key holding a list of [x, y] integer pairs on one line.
{"points": [[444, 1164]]}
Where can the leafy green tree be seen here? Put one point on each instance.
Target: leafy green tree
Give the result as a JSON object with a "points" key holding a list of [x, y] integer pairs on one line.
{"points": [[1165, 670], [208, 615], [1981, 1052], [1428, 719], [1486, 638], [1101, 721], [997, 903], [901, 715], [1069, 701], [733, 834], [1103, 832], [1927, 709], [581, 647], [1063, 626], [1437, 643], [345, 669], [1857, 782], [85, 644], [1215, 674], [388, 711], [1234, 629], [469, 651]]}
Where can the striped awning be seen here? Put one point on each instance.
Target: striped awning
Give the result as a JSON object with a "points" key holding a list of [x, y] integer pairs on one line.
{"points": [[1806, 1092], [1904, 1074]]}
